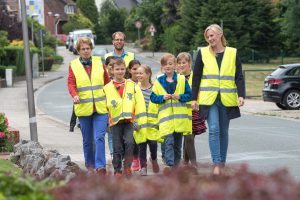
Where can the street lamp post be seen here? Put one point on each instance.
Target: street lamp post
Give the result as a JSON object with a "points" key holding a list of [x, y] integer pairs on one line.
{"points": [[32, 32], [29, 82], [56, 21]]}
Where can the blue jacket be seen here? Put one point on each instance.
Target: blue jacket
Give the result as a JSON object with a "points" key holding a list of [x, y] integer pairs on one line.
{"points": [[170, 89]]}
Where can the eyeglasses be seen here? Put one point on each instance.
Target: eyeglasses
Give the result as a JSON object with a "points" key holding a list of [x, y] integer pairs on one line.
{"points": [[85, 49], [118, 40]]}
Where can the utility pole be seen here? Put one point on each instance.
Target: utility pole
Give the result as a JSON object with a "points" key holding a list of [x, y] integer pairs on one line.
{"points": [[29, 82]]}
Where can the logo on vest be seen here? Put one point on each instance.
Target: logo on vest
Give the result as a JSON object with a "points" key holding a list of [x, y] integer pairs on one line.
{"points": [[129, 95], [114, 103]]}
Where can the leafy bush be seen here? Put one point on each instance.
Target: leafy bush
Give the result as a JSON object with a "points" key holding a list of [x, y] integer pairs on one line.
{"points": [[184, 184], [21, 188], [3, 42], [58, 59], [20, 43], [3, 68], [15, 56]]}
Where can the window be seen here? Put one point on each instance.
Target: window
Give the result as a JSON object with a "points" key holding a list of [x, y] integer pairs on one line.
{"points": [[294, 72]]}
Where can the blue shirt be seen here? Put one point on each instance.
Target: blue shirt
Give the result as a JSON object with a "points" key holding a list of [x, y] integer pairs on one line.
{"points": [[170, 89], [122, 55]]}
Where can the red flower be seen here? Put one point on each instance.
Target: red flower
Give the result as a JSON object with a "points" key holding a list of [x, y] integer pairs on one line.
{"points": [[2, 135]]}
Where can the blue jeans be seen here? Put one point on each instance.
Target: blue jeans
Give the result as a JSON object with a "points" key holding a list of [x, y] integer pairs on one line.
{"points": [[218, 125], [93, 129], [173, 144], [110, 140]]}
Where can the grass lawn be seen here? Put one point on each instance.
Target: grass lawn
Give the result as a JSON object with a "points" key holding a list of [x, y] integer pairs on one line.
{"points": [[7, 166]]}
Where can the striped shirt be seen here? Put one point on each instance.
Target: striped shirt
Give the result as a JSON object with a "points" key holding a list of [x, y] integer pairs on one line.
{"points": [[147, 92]]}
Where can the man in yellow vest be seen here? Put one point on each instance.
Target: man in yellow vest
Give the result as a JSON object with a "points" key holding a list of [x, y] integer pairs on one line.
{"points": [[86, 81], [118, 40], [219, 89]]}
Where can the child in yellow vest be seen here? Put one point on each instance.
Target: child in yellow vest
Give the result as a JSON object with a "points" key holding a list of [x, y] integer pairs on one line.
{"points": [[171, 92], [184, 62], [144, 74], [126, 106]]}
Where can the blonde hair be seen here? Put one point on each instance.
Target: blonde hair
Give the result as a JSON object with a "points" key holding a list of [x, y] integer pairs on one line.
{"points": [[184, 55], [147, 70], [164, 59], [83, 40], [217, 29]]}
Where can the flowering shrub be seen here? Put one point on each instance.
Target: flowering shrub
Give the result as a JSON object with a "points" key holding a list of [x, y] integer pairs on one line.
{"points": [[5, 136]]}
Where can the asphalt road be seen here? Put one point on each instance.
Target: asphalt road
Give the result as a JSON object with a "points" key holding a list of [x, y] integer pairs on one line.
{"points": [[264, 143]]}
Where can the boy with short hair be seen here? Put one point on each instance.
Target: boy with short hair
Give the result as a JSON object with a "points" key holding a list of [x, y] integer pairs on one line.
{"points": [[126, 107], [171, 92]]}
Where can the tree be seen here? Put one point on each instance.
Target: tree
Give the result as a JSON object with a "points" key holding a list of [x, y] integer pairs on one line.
{"points": [[111, 20], [76, 21], [3, 42], [89, 9], [171, 14], [291, 26], [189, 12]]}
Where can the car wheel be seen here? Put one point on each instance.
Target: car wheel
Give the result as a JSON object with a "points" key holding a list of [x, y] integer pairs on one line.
{"points": [[280, 105], [291, 100]]}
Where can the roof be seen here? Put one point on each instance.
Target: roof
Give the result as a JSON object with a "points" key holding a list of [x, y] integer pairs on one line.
{"points": [[57, 6], [128, 4]]}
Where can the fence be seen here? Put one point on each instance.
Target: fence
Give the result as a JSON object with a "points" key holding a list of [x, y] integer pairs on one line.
{"points": [[254, 81]]}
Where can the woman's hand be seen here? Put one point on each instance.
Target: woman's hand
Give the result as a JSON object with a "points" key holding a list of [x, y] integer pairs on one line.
{"points": [[195, 106], [76, 99], [241, 101]]}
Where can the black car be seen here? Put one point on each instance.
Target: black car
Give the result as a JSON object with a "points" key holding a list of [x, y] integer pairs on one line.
{"points": [[283, 87]]}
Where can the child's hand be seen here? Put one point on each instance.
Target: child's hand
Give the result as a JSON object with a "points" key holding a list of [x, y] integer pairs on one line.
{"points": [[168, 96], [175, 96]]}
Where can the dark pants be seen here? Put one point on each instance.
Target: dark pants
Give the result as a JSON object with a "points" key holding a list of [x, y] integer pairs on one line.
{"points": [[123, 144], [73, 119], [135, 151], [143, 152], [189, 149]]}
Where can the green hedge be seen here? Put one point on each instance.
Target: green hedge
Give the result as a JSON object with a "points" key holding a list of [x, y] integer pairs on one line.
{"points": [[15, 57], [2, 70]]}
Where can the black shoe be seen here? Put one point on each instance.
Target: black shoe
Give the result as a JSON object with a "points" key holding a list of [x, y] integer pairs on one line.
{"points": [[71, 129]]}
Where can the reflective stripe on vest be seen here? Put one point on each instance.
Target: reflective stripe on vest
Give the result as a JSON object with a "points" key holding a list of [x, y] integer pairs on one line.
{"points": [[172, 114], [127, 58], [90, 90], [214, 80]]}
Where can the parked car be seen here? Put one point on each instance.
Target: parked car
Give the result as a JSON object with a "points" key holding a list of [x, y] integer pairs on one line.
{"points": [[100, 51], [69, 42], [61, 37], [283, 87]]}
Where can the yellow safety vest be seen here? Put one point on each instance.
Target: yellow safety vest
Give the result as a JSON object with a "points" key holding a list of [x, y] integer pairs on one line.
{"points": [[214, 80], [90, 90], [132, 102], [172, 114], [127, 58]]}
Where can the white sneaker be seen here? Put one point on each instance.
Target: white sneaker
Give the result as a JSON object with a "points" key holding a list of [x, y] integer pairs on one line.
{"points": [[143, 171]]}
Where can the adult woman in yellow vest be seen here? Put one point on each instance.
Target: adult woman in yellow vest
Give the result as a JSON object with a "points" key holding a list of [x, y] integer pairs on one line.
{"points": [[219, 89], [86, 79]]}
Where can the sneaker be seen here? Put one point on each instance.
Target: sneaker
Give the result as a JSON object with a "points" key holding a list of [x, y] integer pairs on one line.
{"points": [[128, 172], [143, 171], [101, 171], [135, 165], [155, 166], [167, 171], [71, 129], [118, 174]]}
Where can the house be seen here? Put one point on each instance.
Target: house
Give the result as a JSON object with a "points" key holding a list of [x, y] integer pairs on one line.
{"points": [[11, 8], [56, 14]]}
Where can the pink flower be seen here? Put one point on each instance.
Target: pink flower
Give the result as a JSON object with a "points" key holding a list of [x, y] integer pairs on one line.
{"points": [[6, 121], [2, 135]]}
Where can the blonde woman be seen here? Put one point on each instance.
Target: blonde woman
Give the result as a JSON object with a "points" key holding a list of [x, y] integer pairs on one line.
{"points": [[218, 90]]}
